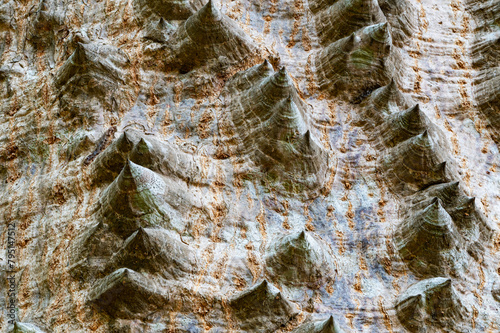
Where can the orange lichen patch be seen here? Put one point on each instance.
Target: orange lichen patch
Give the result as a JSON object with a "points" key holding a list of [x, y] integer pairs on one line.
{"points": [[293, 323], [295, 30], [201, 307], [465, 26], [285, 224], [239, 283], [380, 210], [370, 157], [332, 112], [59, 194], [438, 114], [220, 178], [261, 219], [417, 87], [267, 24], [235, 12], [208, 256], [486, 205], [493, 327], [395, 284], [312, 86], [390, 248], [249, 246], [11, 152], [254, 265], [350, 216], [309, 226], [329, 211], [350, 318], [362, 263], [274, 6], [340, 239], [425, 23], [460, 43], [329, 288], [455, 6], [199, 224], [305, 209], [327, 188], [415, 54], [205, 121], [51, 140], [178, 87], [459, 61], [298, 6], [475, 314], [325, 138], [357, 283], [456, 147], [387, 319], [478, 297], [447, 125], [306, 40], [286, 208], [466, 102], [220, 266], [95, 325], [14, 106], [387, 264], [218, 212], [466, 178]]}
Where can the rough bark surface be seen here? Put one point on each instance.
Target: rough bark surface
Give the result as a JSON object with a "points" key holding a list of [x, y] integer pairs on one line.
{"points": [[250, 166]]}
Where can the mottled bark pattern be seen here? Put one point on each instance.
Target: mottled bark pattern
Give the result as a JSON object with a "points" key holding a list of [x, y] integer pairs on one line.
{"points": [[306, 166]]}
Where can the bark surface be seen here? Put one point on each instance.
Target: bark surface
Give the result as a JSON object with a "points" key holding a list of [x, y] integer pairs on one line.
{"points": [[249, 166]]}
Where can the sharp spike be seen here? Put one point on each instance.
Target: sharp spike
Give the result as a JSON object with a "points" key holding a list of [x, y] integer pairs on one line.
{"points": [[381, 33], [308, 138], [281, 78], [127, 169], [434, 296], [209, 36], [266, 66], [423, 239], [125, 206], [441, 168], [404, 125], [124, 293], [346, 17], [436, 214], [349, 43], [261, 302], [387, 97], [162, 23], [156, 250], [329, 326], [299, 259], [210, 13]]}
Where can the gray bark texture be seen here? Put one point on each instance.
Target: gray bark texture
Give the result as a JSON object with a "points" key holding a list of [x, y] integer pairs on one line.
{"points": [[307, 166]]}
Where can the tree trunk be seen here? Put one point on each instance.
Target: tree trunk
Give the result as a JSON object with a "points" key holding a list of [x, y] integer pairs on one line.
{"points": [[249, 166]]}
